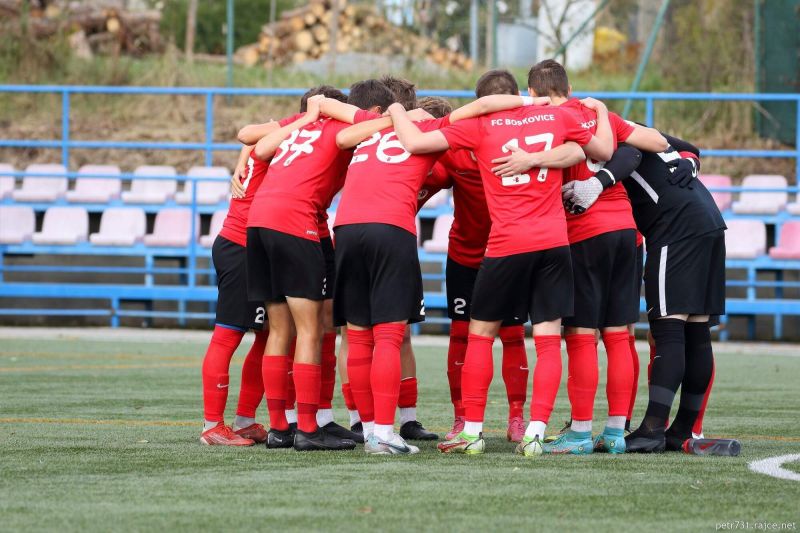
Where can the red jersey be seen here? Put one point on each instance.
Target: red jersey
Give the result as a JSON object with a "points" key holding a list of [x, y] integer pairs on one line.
{"points": [[612, 210], [305, 172], [436, 180], [525, 210], [234, 228], [383, 180]]}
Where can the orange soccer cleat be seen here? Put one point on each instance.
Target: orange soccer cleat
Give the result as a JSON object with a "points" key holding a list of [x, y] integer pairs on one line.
{"points": [[222, 435], [255, 432]]}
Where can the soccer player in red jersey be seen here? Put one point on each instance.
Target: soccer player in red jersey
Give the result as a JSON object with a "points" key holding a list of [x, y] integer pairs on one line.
{"points": [[379, 286], [603, 248], [286, 263], [526, 270]]}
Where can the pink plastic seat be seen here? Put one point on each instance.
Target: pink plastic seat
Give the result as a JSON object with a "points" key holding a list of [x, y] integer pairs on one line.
{"points": [[7, 183], [441, 234], [216, 226], [745, 239], [96, 190], [172, 228], [47, 188], [120, 226], [789, 243], [151, 191], [208, 192], [63, 225], [17, 224], [722, 199], [762, 203]]}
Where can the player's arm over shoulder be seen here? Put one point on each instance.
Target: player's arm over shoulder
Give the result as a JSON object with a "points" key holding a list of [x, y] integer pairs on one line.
{"points": [[412, 138]]}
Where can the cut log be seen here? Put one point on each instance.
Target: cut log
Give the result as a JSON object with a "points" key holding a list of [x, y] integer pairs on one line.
{"points": [[303, 41]]}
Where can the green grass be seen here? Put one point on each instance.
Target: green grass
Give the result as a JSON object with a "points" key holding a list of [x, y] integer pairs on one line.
{"points": [[103, 436]]}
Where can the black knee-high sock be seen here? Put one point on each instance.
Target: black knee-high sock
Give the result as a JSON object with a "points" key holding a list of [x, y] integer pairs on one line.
{"points": [[699, 365], [667, 370]]}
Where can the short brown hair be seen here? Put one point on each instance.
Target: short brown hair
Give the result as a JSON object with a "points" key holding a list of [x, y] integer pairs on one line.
{"points": [[436, 106], [496, 81], [329, 92], [548, 78], [405, 92], [370, 93]]}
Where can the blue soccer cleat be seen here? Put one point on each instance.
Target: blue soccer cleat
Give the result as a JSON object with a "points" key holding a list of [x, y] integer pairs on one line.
{"points": [[610, 441], [571, 442]]}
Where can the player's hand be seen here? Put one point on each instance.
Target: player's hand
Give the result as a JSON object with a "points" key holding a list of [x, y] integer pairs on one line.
{"points": [[594, 103], [312, 109], [396, 108], [517, 162], [542, 100], [237, 189], [683, 173], [578, 196]]}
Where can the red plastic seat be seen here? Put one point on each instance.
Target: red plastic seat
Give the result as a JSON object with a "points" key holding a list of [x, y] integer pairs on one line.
{"points": [[789, 243], [722, 199]]}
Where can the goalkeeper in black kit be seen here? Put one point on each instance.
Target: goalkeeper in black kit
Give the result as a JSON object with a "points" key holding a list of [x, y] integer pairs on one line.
{"points": [[684, 278]]}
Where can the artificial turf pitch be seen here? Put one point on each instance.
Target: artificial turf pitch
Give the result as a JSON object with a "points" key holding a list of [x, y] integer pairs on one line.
{"points": [[103, 435]]}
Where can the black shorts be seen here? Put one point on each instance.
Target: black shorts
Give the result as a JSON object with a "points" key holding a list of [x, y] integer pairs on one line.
{"points": [[233, 307], [281, 265], [378, 277], [460, 284], [330, 265], [639, 267], [535, 285], [606, 287], [686, 277]]}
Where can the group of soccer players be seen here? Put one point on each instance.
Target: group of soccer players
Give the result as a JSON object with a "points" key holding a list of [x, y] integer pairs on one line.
{"points": [[543, 231]]}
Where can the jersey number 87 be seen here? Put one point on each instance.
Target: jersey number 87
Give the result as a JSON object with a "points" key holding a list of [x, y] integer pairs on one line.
{"points": [[290, 144]]}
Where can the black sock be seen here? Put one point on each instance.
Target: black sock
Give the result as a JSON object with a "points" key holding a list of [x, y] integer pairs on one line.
{"points": [[667, 370], [699, 365]]}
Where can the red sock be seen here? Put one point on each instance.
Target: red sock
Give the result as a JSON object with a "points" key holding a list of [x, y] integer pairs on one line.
{"points": [[515, 368], [328, 365], [290, 393], [476, 376], [619, 379], [583, 374], [252, 389], [347, 393], [457, 350], [275, 371], [216, 363], [408, 393], [635, 361], [546, 376], [359, 366], [697, 429], [385, 372], [306, 382]]}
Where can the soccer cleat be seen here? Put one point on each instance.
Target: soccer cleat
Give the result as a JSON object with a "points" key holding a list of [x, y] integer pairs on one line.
{"points": [[358, 427], [394, 446], [645, 440], [320, 440], [551, 438], [332, 428], [254, 432], [610, 441], [222, 435], [516, 429], [463, 443], [674, 442], [571, 442], [458, 427], [280, 438], [529, 447], [413, 430]]}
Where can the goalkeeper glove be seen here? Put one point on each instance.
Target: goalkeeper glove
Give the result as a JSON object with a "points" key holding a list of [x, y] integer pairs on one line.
{"points": [[684, 171], [578, 196]]}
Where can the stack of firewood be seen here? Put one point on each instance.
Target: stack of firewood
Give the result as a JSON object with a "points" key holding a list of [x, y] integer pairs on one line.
{"points": [[93, 27], [305, 33]]}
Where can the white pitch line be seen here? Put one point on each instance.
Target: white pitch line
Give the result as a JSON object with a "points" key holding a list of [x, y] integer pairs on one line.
{"points": [[771, 466]]}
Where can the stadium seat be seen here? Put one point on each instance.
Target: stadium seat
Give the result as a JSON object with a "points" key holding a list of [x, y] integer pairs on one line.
{"points": [[789, 243], [762, 203], [48, 188], [216, 226], [120, 226], [63, 225], [17, 224], [96, 190], [7, 183], [745, 239], [151, 191], [173, 228], [722, 199], [793, 208], [441, 234], [208, 192]]}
